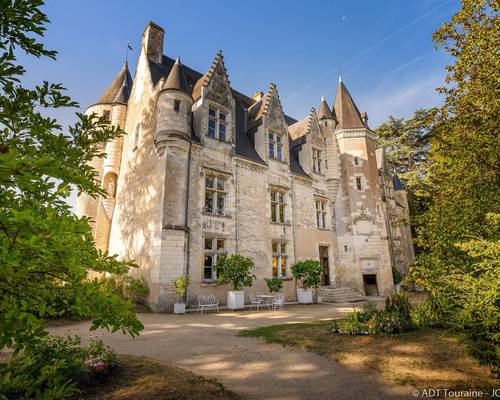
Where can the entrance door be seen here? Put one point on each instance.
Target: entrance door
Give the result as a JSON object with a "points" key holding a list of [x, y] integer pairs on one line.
{"points": [[370, 284], [325, 268]]}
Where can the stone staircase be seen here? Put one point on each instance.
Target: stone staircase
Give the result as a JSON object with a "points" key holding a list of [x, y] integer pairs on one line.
{"points": [[327, 294]]}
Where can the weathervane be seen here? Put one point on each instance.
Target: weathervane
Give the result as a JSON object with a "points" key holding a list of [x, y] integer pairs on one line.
{"points": [[129, 47]]}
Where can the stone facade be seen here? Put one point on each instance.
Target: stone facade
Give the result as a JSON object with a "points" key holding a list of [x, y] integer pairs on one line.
{"points": [[205, 170]]}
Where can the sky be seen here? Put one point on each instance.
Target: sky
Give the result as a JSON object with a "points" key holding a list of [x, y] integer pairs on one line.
{"points": [[383, 49]]}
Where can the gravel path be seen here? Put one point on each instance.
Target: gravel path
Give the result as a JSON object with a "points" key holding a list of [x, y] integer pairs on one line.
{"points": [[208, 345]]}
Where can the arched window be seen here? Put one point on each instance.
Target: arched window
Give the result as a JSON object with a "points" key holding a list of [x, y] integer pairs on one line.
{"points": [[136, 135]]}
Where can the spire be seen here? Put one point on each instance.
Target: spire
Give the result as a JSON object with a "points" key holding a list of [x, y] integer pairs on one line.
{"points": [[119, 89], [176, 79], [324, 110], [345, 109]]}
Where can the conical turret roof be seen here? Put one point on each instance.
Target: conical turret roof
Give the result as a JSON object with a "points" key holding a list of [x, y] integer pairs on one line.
{"points": [[119, 89], [347, 113], [324, 110], [176, 79]]}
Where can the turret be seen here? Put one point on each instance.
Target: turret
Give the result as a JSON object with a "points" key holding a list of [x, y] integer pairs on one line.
{"points": [[325, 115], [113, 106], [174, 110]]}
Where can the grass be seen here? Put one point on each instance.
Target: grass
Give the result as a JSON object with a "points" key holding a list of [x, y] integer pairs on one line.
{"points": [[426, 358], [146, 379]]}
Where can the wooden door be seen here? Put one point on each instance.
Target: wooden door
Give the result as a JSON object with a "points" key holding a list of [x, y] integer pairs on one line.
{"points": [[325, 267]]}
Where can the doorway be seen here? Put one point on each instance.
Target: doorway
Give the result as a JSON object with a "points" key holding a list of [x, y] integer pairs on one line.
{"points": [[370, 285], [325, 267]]}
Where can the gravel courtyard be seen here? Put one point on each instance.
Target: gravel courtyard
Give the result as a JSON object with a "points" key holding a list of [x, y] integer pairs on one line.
{"points": [[208, 345]]}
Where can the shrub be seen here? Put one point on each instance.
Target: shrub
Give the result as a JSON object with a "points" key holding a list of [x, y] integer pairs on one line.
{"points": [[395, 318], [274, 284], [127, 287], [236, 271], [397, 278], [54, 368], [308, 272], [180, 284]]}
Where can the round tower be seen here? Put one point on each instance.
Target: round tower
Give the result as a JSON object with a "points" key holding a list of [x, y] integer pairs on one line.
{"points": [[113, 106], [173, 125]]}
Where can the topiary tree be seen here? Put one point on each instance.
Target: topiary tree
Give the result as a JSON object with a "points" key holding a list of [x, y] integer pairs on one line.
{"points": [[236, 271], [308, 272], [274, 284]]}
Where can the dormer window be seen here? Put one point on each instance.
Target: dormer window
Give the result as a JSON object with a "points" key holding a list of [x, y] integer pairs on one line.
{"points": [[316, 153], [276, 146], [217, 123]]}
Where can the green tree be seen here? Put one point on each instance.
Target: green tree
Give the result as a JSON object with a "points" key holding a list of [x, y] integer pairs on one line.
{"points": [[236, 271], [46, 252], [463, 165]]}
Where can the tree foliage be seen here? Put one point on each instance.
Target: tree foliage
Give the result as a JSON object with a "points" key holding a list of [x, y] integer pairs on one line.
{"points": [[459, 264], [236, 271], [46, 252], [308, 272]]}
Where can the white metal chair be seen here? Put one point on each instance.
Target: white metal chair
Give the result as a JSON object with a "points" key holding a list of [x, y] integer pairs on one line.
{"points": [[207, 302], [278, 301], [256, 301]]}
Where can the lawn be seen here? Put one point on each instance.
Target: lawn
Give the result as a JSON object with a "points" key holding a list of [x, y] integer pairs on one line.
{"points": [[426, 358], [146, 379]]}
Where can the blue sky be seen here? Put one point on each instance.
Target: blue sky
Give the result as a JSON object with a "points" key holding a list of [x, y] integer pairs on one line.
{"points": [[387, 58]]}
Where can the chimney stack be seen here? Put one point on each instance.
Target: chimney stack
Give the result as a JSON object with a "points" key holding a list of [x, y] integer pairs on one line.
{"points": [[152, 42]]}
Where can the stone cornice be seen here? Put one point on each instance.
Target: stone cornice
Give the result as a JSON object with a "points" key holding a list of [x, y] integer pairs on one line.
{"points": [[354, 133]]}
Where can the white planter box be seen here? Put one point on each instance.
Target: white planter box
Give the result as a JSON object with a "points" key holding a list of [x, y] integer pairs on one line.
{"points": [[179, 308], [236, 299], [304, 296]]}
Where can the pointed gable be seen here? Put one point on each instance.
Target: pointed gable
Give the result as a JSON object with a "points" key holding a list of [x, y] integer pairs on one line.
{"points": [[119, 89], [347, 113], [270, 108], [216, 83]]}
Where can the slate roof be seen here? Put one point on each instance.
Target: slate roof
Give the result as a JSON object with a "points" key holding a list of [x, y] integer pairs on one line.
{"points": [[176, 79], [346, 111], [324, 110], [118, 90], [244, 106]]}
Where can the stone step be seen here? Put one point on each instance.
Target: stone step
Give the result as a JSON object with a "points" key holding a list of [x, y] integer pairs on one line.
{"points": [[339, 295]]}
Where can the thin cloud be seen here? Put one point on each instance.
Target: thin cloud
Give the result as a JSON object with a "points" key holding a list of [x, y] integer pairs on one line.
{"points": [[408, 64]]}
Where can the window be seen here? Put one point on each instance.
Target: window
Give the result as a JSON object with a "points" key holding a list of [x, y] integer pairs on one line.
{"points": [[107, 115], [321, 214], [215, 194], [277, 207], [214, 248], [177, 105], [358, 183], [276, 146], [279, 259], [316, 160], [356, 160], [217, 123], [136, 135]]}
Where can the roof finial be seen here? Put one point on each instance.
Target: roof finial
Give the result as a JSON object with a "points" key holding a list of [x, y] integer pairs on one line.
{"points": [[178, 60], [340, 78], [129, 47], [322, 98]]}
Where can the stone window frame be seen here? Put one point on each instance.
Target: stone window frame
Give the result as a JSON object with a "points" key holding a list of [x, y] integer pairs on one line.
{"points": [[217, 191], [278, 205], [278, 146], [137, 135], [317, 159], [177, 105], [214, 253], [218, 122], [358, 181], [321, 212], [106, 114], [279, 262]]}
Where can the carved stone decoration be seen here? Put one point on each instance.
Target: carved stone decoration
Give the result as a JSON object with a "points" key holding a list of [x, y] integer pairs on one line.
{"points": [[218, 86]]}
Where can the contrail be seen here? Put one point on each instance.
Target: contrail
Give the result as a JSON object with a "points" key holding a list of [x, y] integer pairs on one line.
{"points": [[362, 53]]}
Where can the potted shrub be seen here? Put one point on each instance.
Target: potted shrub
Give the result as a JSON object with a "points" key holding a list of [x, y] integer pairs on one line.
{"points": [[274, 284], [236, 271], [180, 284], [397, 278], [308, 272]]}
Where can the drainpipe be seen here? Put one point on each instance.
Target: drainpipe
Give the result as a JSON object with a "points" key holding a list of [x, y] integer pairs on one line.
{"points": [[186, 207]]}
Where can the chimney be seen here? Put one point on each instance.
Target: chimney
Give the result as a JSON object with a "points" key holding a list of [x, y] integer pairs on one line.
{"points": [[152, 42], [364, 117], [258, 95]]}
